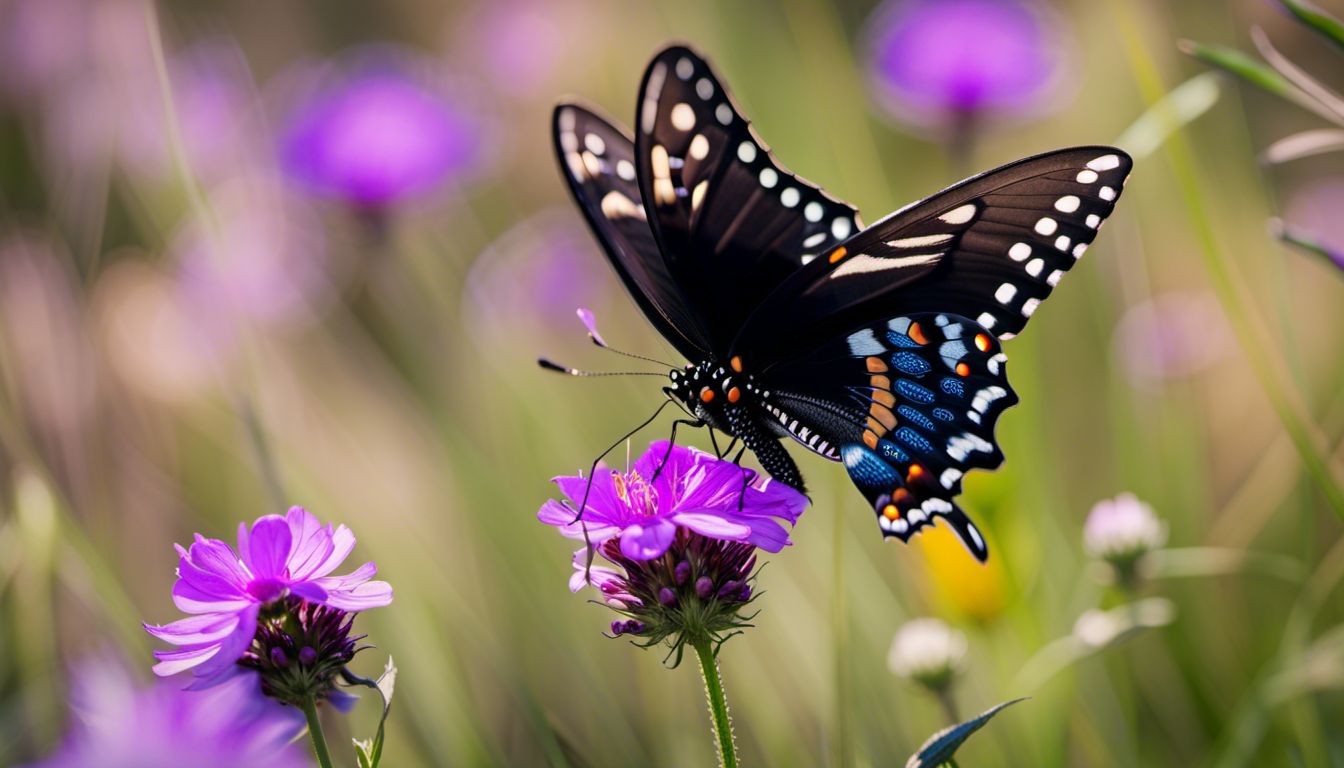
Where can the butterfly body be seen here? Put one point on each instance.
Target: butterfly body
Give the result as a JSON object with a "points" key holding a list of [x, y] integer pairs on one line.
{"points": [[876, 347]]}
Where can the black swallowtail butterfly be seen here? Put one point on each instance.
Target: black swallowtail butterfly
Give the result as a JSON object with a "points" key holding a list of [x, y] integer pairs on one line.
{"points": [[877, 347]]}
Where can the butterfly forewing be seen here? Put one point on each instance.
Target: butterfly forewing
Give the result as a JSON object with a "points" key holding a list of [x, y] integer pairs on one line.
{"points": [[732, 222], [990, 249], [597, 159]]}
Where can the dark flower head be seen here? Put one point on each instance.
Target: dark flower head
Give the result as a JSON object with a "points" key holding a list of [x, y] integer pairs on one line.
{"points": [[937, 62], [235, 595], [301, 649], [694, 591]]}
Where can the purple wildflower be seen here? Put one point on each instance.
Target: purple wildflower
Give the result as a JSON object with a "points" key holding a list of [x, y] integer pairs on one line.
{"points": [[643, 508], [230, 592], [121, 725], [375, 133], [678, 534], [940, 63]]}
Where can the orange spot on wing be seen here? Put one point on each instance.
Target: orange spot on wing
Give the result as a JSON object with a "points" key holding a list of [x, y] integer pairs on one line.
{"points": [[734, 395], [876, 365], [963, 369], [838, 254], [884, 397], [900, 495], [883, 415], [706, 395], [914, 473], [891, 512], [982, 342], [917, 334], [870, 438], [736, 363]]}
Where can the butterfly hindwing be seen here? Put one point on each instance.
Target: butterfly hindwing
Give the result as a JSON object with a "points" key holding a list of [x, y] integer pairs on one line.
{"points": [[597, 160], [991, 248], [922, 394], [733, 223]]}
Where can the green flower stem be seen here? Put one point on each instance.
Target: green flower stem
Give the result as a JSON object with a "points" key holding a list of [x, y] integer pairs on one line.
{"points": [[1232, 293], [315, 731], [718, 705]]}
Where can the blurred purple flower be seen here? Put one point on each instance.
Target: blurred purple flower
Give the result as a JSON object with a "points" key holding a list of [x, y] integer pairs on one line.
{"points": [[42, 43], [532, 278], [261, 258], [375, 131], [519, 45], [121, 725], [692, 490], [226, 591], [1170, 336], [938, 63]]}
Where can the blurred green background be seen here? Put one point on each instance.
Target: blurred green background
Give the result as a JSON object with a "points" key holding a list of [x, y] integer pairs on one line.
{"points": [[375, 363]]}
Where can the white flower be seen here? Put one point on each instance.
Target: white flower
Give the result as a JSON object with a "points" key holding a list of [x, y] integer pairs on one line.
{"points": [[1122, 529], [927, 651]]}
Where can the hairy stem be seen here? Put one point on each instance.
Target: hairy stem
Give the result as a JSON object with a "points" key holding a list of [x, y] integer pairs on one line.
{"points": [[315, 731], [718, 705]]}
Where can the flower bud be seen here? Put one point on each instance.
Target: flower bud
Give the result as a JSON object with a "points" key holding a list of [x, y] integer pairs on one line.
{"points": [[927, 651]]}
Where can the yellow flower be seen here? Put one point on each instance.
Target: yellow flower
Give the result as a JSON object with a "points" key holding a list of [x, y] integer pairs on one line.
{"points": [[961, 583]]}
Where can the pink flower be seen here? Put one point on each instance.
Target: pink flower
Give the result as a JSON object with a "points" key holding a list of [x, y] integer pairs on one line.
{"points": [[226, 591]]}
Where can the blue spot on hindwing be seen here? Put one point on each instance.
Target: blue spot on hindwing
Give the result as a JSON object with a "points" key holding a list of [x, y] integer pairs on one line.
{"points": [[900, 340], [953, 387], [912, 391], [920, 420], [942, 414], [867, 469], [915, 440], [892, 453], [910, 364]]}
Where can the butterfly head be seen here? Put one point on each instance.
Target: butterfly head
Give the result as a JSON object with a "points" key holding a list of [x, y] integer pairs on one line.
{"points": [[708, 389]]}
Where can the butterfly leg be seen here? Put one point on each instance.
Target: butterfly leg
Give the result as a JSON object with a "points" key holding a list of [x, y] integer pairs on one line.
{"points": [[672, 441]]}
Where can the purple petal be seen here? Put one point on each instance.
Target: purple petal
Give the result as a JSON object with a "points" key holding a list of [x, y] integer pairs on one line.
{"points": [[172, 662], [195, 630], [640, 542], [557, 514], [191, 599], [310, 591], [358, 596], [342, 544], [232, 646], [267, 549], [603, 503], [590, 322], [213, 557], [312, 543], [713, 526], [343, 701]]}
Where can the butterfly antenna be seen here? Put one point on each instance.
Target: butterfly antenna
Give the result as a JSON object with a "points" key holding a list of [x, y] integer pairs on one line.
{"points": [[604, 345], [551, 365]]}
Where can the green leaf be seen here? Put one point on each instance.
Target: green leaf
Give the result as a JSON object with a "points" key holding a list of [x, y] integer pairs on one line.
{"points": [[943, 745], [1328, 26], [1237, 63], [369, 751]]}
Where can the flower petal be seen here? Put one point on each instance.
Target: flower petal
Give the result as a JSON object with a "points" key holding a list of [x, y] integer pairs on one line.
{"points": [[195, 630], [645, 542], [359, 596], [232, 646], [312, 543], [214, 558], [713, 526], [267, 547], [172, 662]]}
